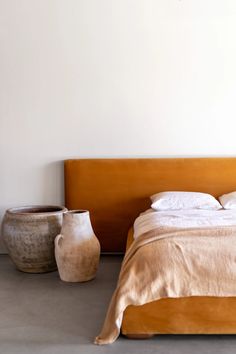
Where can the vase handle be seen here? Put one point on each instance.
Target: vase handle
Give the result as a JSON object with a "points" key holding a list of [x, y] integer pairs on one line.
{"points": [[58, 239]]}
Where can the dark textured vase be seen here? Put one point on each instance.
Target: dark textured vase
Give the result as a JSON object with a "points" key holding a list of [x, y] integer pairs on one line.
{"points": [[29, 233]]}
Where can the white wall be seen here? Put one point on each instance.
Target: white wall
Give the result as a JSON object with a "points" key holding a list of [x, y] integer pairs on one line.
{"points": [[92, 78]]}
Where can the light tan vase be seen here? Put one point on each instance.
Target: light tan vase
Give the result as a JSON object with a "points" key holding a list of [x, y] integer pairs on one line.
{"points": [[77, 249]]}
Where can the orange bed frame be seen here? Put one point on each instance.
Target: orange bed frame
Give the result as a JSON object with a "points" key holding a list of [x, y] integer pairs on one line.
{"points": [[187, 315], [115, 191]]}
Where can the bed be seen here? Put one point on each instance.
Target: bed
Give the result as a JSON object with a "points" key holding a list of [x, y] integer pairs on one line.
{"points": [[116, 191], [187, 315]]}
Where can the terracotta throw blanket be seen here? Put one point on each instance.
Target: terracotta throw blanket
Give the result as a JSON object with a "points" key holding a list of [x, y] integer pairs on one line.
{"points": [[168, 262]]}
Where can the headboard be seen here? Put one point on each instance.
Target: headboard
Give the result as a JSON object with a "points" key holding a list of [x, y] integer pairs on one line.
{"points": [[115, 191]]}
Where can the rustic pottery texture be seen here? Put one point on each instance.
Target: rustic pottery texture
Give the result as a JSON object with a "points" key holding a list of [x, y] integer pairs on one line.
{"points": [[29, 234], [77, 249]]}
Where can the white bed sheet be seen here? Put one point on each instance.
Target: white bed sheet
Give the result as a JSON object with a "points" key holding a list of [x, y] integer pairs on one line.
{"points": [[151, 219]]}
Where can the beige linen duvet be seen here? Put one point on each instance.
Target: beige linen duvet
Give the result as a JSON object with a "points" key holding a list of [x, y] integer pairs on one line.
{"points": [[173, 262]]}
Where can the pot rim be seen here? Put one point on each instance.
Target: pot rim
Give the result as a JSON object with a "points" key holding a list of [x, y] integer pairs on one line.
{"points": [[77, 211], [29, 210]]}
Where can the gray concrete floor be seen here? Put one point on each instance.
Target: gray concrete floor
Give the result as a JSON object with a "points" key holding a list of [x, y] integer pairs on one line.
{"points": [[41, 314]]}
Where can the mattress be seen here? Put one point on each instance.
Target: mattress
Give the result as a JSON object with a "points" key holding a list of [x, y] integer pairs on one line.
{"points": [[183, 219], [189, 315]]}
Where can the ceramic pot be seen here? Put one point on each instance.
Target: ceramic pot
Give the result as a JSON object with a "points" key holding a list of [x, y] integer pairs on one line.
{"points": [[29, 234], [77, 249]]}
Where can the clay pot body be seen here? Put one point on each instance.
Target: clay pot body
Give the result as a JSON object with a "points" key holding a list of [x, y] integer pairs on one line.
{"points": [[77, 249], [29, 234]]}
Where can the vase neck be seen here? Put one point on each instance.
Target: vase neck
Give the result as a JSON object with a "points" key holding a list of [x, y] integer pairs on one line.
{"points": [[77, 225]]}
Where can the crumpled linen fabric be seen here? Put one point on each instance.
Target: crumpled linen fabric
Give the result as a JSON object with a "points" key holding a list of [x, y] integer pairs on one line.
{"points": [[170, 262]]}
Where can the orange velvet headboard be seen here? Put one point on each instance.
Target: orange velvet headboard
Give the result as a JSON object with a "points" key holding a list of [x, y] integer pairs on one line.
{"points": [[115, 191]]}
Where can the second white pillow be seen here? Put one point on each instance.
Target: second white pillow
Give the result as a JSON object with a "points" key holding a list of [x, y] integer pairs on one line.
{"points": [[228, 201]]}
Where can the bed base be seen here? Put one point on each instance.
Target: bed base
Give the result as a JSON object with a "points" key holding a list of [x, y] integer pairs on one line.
{"points": [[189, 315], [139, 336]]}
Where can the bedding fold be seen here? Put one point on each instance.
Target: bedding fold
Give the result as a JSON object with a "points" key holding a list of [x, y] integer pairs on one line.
{"points": [[173, 262]]}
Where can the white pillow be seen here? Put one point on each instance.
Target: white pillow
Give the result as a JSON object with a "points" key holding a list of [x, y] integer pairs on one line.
{"points": [[184, 200], [228, 201]]}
